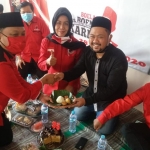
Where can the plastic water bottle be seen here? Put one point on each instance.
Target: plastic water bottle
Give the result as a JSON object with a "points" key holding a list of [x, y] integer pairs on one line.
{"points": [[34, 80], [29, 78], [102, 143], [72, 122], [44, 113]]}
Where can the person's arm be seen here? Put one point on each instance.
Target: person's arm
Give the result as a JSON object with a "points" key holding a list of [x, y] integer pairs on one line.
{"points": [[120, 106], [74, 83], [76, 71], [44, 55], [15, 87], [115, 79]]}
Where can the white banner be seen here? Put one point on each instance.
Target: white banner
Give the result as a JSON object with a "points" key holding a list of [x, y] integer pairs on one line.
{"points": [[130, 25]]}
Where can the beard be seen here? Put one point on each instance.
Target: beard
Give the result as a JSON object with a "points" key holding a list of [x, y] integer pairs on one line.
{"points": [[100, 50]]}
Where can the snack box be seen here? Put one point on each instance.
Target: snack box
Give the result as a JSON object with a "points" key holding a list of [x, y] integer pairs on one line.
{"points": [[23, 120], [29, 108]]}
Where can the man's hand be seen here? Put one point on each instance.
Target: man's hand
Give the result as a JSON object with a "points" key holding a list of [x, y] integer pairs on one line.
{"points": [[48, 79], [45, 99], [51, 61], [97, 125], [19, 61], [58, 76], [78, 102]]}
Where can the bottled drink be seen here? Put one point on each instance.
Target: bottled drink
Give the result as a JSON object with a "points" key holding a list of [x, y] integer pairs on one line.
{"points": [[29, 78], [44, 113], [102, 143], [34, 80], [72, 122]]}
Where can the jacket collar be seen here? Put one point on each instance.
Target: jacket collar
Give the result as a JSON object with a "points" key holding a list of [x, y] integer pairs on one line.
{"points": [[2, 57]]}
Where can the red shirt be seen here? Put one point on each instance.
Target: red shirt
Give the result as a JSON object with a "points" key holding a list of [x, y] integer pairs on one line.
{"points": [[13, 86], [35, 32], [65, 61], [121, 105]]}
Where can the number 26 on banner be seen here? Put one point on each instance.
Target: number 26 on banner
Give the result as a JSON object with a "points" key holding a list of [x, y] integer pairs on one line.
{"points": [[136, 62]]}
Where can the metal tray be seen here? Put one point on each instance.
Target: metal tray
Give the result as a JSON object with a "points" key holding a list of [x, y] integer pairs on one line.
{"points": [[23, 120], [29, 106]]}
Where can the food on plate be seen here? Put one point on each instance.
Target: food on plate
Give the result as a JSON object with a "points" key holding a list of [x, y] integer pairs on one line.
{"points": [[68, 101], [19, 118], [52, 134], [33, 110], [10, 103], [63, 100], [27, 120], [20, 107], [38, 126], [64, 103], [65, 97], [29, 146], [22, 120], [60, 99]]}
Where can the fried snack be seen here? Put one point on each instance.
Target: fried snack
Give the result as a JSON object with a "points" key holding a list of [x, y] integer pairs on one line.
{"points": [[64, 103], [19, 119], [34, 110], [20, 107], [27, 120], [65, 97], [68, 101]]}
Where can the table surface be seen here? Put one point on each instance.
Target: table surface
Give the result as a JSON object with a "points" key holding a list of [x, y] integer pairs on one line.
{"points": [[25, 135]]}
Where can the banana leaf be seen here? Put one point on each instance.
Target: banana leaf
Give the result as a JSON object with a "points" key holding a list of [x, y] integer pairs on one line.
{"points": [[62, 93]]}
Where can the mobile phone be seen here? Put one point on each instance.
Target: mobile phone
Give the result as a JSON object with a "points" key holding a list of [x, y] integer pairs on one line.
{"points": [[81, 143]]}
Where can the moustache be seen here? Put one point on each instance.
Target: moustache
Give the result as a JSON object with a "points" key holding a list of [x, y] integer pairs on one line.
{"points": [[96, 44]]}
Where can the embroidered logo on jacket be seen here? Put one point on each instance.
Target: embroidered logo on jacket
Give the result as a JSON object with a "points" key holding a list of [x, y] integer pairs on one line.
{"points": [[36, 29]]}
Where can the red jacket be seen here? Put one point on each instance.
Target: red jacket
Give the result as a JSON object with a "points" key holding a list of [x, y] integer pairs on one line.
{"points": [[65, 61], [129, 101], [35, 32], [13, 86]]}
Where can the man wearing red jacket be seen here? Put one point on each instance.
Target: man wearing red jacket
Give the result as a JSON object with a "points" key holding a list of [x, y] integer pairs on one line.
{"points": [[12, 85], [137, 135], [36, 30]]}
